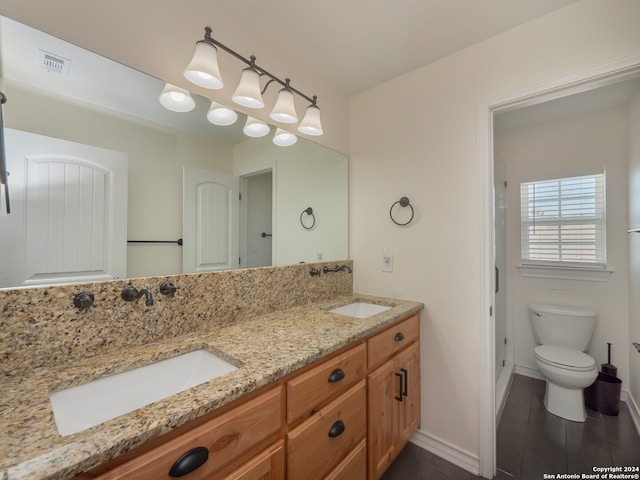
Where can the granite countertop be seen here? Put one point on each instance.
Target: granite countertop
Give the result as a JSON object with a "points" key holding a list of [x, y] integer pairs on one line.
{"points": [[264, 348]]}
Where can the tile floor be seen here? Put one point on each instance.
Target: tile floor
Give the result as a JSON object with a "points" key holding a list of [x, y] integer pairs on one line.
{"points": [[531, 442]]}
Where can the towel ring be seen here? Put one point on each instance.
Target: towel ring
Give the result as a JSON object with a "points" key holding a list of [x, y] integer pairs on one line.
{"points": [[308, 211], [404, 202]]}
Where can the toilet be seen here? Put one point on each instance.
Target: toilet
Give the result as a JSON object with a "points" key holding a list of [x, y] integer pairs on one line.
{"points": [[563, 334]]}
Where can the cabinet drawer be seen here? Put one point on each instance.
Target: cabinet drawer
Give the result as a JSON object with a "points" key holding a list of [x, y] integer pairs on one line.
{"points": [[386, 344], [268, 465], [354, 467], [307, 391], [319, 444], [225, 437]]}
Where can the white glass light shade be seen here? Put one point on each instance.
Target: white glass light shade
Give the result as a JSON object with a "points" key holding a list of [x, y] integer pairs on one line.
{"points": [[176, 99], [248, 92], [284, 110], [310, 124], [203, 69], [220, 115], [283, 138], [255, 128]]}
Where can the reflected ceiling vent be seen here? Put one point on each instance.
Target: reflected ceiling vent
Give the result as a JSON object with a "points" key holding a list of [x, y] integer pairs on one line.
{"points": [[53, 63]]}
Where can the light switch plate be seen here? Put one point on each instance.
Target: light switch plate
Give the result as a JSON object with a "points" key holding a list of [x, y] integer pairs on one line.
{"points": [[387, 260]]}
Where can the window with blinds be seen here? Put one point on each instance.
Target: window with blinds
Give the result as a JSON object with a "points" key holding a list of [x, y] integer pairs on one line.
{"points": [[563, 221]]}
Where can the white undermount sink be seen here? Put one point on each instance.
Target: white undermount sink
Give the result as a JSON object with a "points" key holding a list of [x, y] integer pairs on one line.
{"points": [[78, 408], [360, 309]]}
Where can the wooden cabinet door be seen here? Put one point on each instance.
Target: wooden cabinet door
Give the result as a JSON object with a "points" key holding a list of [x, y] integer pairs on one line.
{"points": [[383, 389], [394, 408], [408, 362]]}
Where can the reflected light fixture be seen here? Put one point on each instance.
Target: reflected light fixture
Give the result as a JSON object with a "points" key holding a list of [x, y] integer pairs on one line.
{"points": [[220, 115], [255, 128], [176, 99], [283, 138], [203, 71]]}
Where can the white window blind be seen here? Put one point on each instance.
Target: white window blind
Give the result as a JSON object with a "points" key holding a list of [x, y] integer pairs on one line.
{"points": [[563, 221]]}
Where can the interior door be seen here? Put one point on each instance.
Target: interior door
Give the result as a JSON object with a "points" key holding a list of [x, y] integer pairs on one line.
{"points": [[210, 221], [69, 212]]}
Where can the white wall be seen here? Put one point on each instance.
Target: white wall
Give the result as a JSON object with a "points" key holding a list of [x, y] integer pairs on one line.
{"points": [[634, 251], [429, 152], [564, 148]]}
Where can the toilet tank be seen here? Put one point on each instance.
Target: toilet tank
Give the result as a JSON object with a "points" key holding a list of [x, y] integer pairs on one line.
{"points": [[561, 325]]}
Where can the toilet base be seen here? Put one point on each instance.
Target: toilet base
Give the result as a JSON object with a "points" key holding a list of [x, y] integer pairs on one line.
{"points": [[567, 403]]}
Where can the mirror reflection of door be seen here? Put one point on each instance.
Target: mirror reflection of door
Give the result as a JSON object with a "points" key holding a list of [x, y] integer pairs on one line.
{"points": [[211, 226], [69, 212], [257, 224]]}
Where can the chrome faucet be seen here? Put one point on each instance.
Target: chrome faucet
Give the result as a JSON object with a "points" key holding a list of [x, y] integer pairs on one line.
{"points": [[131, 293]]}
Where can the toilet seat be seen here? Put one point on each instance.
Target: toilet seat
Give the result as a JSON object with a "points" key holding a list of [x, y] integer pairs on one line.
{"points": [[566, 358]]}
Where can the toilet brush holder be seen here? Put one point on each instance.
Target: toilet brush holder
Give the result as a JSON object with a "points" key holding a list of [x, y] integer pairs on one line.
{"points": [[608, 368]]}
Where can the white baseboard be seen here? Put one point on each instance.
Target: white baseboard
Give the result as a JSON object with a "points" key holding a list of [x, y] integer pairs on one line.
{"points": [[529, 372], [452, 454], [634, 411], [502, 388]]}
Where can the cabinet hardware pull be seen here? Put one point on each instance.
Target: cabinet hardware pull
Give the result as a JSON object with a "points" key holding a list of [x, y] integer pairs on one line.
{"points": [[336, 375], [399, 397], [399, 337], [405, 391], [189, 461], [337, 429]]}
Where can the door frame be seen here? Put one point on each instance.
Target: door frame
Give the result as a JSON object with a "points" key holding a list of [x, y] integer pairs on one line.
{"points": [[599, 75]]}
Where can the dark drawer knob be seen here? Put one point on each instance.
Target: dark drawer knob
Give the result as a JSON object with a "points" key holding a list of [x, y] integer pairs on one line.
{"points": [[336, 375], [399, 337], [189, 461], [337, 429]]}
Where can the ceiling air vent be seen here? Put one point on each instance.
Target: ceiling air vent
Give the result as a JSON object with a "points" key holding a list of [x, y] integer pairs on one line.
{"points": [[54, 63]]}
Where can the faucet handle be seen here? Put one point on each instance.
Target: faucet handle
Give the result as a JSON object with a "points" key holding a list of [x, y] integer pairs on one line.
{"points": [[83, 300], [129, 293], [168, 288]]}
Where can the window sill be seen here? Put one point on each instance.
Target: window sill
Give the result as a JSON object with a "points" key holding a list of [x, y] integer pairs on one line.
{"points": [[566, 273]]}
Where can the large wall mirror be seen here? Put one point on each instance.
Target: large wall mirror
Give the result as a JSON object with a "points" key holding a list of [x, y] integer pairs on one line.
{"points": [[59, 91]]}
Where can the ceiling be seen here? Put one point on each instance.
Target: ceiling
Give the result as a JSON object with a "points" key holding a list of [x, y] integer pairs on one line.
{"points": [[358, 44]]}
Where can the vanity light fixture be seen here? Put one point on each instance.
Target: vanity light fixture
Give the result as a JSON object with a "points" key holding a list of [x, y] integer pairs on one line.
{"points": [[255, 128], [220, 115], [176, 99], [282, 138], [203, 71], [284, 110], [248, 93]]}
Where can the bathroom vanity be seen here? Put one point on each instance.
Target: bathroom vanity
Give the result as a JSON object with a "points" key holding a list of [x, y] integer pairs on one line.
{"points": [[316, 394], [312, 424]]}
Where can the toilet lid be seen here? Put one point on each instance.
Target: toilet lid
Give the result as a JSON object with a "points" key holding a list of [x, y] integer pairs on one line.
{"points": [[564, 357]]}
